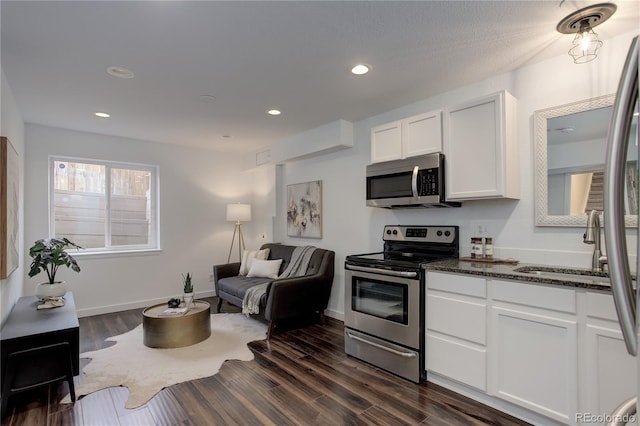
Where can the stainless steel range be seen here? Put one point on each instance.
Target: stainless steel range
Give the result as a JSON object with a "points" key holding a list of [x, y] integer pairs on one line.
{"points": [[384, 304]]}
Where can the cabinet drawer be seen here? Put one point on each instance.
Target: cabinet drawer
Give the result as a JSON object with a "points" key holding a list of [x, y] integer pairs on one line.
{"points": [[456, 360], [457, 318], [461, 284], [557, 299]]}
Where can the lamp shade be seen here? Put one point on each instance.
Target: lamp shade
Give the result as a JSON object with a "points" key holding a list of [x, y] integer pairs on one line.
{"points": [[239, 212]]}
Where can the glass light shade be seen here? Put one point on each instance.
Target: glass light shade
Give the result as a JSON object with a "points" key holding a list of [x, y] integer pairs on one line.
{"points": [[585, 46], [239, 212]]}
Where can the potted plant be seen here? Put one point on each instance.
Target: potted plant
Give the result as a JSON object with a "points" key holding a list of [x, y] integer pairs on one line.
{"points": [[188, 289], [48, 255]]}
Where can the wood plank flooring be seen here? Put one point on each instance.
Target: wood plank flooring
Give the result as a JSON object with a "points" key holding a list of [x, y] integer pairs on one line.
{"points": [[301, 377]]}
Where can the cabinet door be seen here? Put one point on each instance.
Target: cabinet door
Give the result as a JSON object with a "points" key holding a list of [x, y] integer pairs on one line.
{"points": [[533, 361], [480, 149], [422, 134], [386, 142], [609, 371]]}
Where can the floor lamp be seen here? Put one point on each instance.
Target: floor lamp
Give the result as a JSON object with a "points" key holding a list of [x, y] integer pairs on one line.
{"points": [[238, 213]]}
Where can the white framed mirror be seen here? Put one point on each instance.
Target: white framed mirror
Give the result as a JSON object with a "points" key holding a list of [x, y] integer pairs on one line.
{"points": [[569, 156]]}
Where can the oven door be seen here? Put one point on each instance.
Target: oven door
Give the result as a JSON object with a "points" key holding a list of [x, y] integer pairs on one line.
{"points": [[383, 305]]}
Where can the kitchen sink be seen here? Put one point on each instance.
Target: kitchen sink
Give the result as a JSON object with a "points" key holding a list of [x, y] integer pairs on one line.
{"points": [[565, 274]]}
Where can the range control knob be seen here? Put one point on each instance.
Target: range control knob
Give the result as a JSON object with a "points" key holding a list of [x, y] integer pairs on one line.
{"points": [[447, 233], [388, 231], [439, 233], [395, 232]]}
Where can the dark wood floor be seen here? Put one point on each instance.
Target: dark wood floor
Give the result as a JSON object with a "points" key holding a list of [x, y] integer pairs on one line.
{"points": [[301, 377]]}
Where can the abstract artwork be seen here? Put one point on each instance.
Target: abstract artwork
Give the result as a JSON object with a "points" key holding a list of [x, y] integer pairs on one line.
{"points": [[304, 209], [9, 192]]}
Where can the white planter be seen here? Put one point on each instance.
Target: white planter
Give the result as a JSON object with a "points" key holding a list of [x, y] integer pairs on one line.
{"points": [[188, 299], [57, 289]]}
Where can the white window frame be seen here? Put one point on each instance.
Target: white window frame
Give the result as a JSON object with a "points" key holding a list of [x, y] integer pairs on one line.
{"points": [[154, 199]]}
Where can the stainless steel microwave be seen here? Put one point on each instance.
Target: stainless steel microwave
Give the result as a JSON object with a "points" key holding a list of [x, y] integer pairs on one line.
{"points": [[411, 182]]}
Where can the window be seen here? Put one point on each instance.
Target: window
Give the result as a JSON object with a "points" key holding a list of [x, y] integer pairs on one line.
{"points": [[104, 206]]}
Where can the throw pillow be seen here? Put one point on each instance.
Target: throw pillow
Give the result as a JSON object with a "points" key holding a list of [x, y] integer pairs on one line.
{"points": [[265, 268], [247, 259]]}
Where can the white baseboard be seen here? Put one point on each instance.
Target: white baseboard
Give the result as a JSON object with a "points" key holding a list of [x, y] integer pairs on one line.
{"points": [[141, 304]]}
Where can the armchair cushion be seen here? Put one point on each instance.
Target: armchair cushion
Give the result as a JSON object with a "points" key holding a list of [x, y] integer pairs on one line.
{"points": [[237, 286]]}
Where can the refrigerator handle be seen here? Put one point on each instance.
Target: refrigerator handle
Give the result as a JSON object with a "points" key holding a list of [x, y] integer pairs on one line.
{"points": [[619, 129]]}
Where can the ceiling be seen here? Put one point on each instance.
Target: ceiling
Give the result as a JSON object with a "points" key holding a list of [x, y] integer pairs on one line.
{"points": [[253, 56]]}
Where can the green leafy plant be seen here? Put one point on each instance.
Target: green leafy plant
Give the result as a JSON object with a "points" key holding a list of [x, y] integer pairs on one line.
{"points": [[49, 254], [188, 287]]}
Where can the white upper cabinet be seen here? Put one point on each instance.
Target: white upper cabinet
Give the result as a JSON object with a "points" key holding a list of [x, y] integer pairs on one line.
{"points": [[422, 134], [417, 135], [481, 149], [386, 142]]}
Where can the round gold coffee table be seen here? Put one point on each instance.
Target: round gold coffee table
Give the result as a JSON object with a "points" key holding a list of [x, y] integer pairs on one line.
{"points": [[176, 331]]}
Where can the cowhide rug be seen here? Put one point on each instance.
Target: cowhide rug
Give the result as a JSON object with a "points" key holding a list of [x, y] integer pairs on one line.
{"points": [[146, 371]]}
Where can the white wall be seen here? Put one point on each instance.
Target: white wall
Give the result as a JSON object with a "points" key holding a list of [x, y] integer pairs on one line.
{"points": [[350, 227], [12, 126], [195, 187]]}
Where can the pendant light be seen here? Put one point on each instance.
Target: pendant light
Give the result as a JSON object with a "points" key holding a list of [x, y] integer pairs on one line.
{"points": [[581, 23]]}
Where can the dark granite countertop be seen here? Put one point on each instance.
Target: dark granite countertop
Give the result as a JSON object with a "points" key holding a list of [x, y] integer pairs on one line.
{"points": [[509, 272]]}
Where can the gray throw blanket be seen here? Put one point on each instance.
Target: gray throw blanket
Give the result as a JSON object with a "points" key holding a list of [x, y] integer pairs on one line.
{"points": [[251, 299], [297, 267], [299, 263]]}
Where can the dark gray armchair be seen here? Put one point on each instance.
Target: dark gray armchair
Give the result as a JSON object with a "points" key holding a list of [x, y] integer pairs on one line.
{"points": [[285, 298]]}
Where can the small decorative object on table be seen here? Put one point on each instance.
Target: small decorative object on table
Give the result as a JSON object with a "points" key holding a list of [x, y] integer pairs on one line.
{"points": [[51, 302], [48, 255], [188, 290]]}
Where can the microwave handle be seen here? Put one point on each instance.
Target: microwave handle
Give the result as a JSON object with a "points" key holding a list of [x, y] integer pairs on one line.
{"points": [[414, 181]]}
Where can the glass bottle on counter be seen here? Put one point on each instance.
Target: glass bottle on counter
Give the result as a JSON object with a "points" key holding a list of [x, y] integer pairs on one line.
{"points": [[476, 247], [488, 248]]}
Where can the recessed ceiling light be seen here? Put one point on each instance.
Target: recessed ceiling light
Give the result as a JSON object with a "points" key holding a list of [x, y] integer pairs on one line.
{"points": [[274, 112], [120, 72], [360, 69], [209, 99], [103, 115]]}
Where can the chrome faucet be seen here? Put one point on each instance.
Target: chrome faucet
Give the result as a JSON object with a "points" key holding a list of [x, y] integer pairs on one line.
{"points": [[592, 236]]}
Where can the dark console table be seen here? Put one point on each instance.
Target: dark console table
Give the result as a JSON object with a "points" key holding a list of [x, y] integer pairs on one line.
{"points": [[27, 327]]}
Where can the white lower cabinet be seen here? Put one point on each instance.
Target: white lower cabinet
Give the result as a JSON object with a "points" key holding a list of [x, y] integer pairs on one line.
{"points": [[456, 328], [534, 349], [610, 372], [533, 363], [538, 352]]}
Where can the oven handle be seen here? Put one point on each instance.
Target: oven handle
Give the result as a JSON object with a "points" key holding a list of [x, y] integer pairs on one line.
{"points": [[376, 345], [404, 274]]}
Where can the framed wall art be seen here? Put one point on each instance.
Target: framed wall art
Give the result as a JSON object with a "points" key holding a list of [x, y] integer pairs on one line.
{"points": [[9, 192], [304, 209]]}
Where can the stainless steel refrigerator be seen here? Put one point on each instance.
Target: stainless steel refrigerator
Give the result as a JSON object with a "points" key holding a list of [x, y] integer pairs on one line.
{"points": [[622, 138]]}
